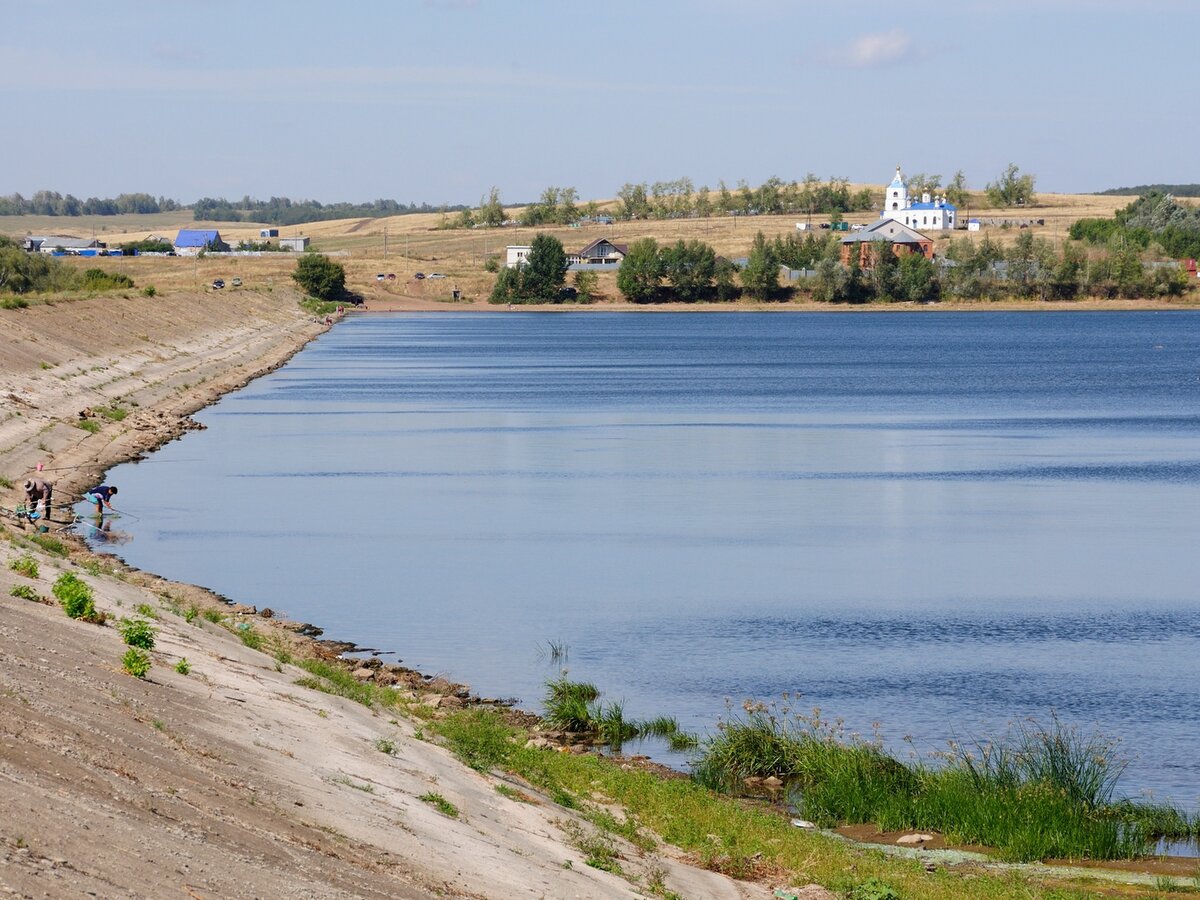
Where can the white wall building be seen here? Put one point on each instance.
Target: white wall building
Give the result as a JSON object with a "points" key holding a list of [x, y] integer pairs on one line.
{"points": [[516, 255], [928, 214]]}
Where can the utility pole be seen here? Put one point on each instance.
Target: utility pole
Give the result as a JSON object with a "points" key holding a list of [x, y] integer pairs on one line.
{"points": [[385, 240]]}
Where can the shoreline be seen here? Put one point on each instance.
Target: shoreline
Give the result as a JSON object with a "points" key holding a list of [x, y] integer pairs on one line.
{"points": [[85, 457], [376, 301]]}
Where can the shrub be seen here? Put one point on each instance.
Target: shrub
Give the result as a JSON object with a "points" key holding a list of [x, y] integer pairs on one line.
{"points": [[88, 425], [75, 596], [24, 592], [137, 633], [149, 291], [183, 667], [99, 280], [320, 277], [136, 662], [25, 565]]}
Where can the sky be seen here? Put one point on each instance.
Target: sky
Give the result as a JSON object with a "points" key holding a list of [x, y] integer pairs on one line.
{"points": [[438, 101]]}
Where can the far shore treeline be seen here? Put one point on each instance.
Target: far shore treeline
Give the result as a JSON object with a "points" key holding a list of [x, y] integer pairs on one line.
{"points": [[671, 199]]}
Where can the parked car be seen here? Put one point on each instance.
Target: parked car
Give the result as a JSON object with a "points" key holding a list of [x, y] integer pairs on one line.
{"points": [[218, 283], [380, 276], [391, 276], [436, 275], [419, 275], [237, 282]]}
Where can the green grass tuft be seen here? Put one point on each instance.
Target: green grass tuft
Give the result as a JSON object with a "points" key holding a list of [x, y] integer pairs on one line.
{"points": [[89, 425], [183, 667], [136, 662], [75, 596], [137, 633], [112, 413], [51, 545], [24, 565], [444, 806], [24, 592], [1041, 792]]}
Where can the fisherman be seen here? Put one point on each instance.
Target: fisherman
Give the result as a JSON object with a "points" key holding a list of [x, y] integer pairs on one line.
{"points": [[102, 497], [38, 491]]}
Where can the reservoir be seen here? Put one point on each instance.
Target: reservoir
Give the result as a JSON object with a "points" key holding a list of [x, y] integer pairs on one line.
{"points": [[942, 523]]}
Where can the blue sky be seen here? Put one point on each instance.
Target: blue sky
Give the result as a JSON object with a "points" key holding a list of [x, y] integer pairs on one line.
{"points": [[439, 100]]}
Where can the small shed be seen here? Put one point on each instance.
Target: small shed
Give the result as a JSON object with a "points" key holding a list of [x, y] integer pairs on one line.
{"points": [[973, 225], [299, 244], [268, 232]]}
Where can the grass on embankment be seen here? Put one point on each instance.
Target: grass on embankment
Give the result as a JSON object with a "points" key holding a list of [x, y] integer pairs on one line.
{"points": [[720, 832], [1041, 792]]}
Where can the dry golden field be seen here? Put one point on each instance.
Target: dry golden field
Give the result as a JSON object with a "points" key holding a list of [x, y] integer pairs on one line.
{"points": [[405, 245]]}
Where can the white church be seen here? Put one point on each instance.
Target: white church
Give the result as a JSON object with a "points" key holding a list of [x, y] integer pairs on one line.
{"points": [[930, 214]]}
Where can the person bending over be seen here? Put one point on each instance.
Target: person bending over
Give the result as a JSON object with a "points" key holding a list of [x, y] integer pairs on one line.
{"points": [[39, 492], [102, 497]]}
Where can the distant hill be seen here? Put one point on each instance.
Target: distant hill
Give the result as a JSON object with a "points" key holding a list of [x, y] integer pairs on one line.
{"points": [[1175, 190]]}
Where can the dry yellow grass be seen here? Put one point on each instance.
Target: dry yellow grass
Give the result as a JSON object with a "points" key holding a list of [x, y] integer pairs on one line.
{"points": [[418, 243]]}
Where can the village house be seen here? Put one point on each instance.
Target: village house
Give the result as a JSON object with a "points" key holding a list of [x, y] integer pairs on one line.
{"points": [[61, 244], [929, 213], [600, 253], [298, 244], [902, 239], [190, 242]]}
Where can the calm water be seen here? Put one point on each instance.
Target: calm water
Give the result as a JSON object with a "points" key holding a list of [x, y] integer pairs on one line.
{"points": [[940, 522]]}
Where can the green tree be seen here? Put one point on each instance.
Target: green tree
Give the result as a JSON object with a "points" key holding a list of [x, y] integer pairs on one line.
{"points": [[956, 190], [760, 277], [491, 210], [507, 288], [725, 280], [641, 271], [320, 277], [632, 202], [545, 269], [585, 285], [689, 269], [884, 274], [918, 279], [1011, 188]]}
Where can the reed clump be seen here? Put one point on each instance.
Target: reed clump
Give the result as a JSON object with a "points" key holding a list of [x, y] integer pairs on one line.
{"points": [[575, 707], [1041, 791]]}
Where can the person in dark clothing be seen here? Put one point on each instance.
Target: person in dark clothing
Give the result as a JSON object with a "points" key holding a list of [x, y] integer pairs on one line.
{"points": [[39, 492], [102, 497]]}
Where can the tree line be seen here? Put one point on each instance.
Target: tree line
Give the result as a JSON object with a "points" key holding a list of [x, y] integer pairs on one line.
{"points": [[1154, 222], [52, 203], [692, 272], [285, 211]]}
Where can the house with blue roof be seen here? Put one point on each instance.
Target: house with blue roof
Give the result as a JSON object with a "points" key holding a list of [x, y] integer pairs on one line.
{"points": [[191, 241], [928, 214]]}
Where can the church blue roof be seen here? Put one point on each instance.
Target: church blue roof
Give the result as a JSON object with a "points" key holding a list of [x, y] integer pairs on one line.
{"points": [[193, 238], [949, 206]]}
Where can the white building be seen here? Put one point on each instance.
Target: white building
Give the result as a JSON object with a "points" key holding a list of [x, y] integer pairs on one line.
{"points": [[516, 255], [298, 244], [929, 214]]}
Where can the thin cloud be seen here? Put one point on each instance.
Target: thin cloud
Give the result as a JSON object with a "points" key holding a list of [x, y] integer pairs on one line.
{"points": [[877, 51]]}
